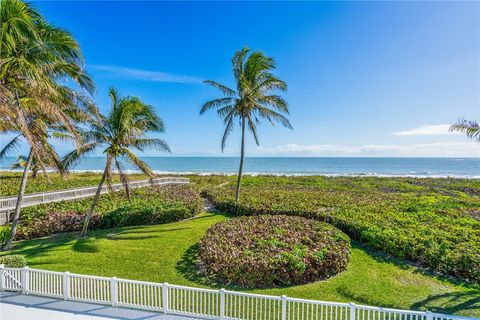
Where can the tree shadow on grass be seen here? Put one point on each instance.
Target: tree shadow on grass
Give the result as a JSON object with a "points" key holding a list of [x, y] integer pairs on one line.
{"points": [[409, 265], [188, 266], [86, 245], [451, 302]]}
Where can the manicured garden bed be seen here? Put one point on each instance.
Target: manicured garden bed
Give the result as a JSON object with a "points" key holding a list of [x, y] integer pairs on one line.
{"points": [[270, 251], [168, 252], [434, 222]]}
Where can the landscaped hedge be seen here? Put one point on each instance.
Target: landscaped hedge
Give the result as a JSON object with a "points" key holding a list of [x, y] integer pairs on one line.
{"points": [[431, 221], [269, 251], [13, 261], [152, 205]]}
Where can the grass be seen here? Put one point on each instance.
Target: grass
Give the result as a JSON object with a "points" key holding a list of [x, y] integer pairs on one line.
{"points": [[168, 253]]}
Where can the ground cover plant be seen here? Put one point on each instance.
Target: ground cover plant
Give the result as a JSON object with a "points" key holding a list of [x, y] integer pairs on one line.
{"points": [[10, 181], [434, 222], [168, 252], [151, 205], [270, 251]]}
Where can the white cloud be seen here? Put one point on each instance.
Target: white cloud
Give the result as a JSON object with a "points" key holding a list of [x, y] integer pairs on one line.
{"points": [[147, 75], [426, 130], [437, 149]]}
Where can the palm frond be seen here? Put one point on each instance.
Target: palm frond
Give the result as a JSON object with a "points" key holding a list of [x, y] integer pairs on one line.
{"points": [[74, 157], [225, 90], [123, 178], [132, 158], [228, 130], [470, 128], [154, 144], [12, 145], [216, 103]]}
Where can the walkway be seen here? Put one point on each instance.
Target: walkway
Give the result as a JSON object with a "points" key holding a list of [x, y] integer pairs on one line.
{"points": [[7, 204], [14, 306]]}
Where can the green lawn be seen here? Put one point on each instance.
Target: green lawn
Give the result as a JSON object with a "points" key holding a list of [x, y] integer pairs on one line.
{"points": [[167, 252]]}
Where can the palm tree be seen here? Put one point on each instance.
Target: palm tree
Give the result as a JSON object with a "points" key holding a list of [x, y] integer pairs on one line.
{"points": [[124, 128], [251, 101], [21, 162], [470, 128], [36, 60]]}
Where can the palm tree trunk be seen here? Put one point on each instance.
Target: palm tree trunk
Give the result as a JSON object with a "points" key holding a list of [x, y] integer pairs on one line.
{"points": [[18, 206], [240, 169], [95, 199]]}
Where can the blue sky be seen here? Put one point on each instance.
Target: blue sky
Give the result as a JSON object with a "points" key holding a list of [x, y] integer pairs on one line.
{"points": [[365, 78]]}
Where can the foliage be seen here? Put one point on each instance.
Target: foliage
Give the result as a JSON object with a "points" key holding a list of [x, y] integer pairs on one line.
{"points": [[166, 253], [13, 261], [38, 59], [9, 182], [253, 99], [430, 221], [183, 202], [121, 131], [269, 251], [4, 232], [21, 163], [470, 128], [148, 206], [52, 223]]}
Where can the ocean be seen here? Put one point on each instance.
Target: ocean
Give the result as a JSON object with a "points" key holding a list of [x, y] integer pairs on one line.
{"points": [[418, 167]]}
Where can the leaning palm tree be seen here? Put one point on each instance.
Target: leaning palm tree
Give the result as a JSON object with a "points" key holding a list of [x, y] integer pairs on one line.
{"points": [[125, 127], [252, 100], [468, 127], [36, 60], [21, 163]]}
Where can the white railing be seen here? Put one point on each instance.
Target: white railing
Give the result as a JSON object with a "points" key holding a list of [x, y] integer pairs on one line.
{"points": [[7, 204], [196, 302]]}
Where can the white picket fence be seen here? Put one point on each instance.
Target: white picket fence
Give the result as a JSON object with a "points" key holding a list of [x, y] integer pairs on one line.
{"points": [[195, 302], [9, 203]]}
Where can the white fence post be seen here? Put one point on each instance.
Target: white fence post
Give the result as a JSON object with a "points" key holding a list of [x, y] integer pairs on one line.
{"points": [[165, 297], [284, 307], [113, 291], [2, 276], [24, 279], [353, 311], [429, 315], [66, 285], [222, 304]]}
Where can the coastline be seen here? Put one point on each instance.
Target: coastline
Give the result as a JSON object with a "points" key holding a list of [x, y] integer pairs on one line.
{"points": [[280, 174]]}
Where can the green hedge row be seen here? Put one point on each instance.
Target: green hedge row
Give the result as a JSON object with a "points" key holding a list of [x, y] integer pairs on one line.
{"points": [[431, 221], [152, 205]]}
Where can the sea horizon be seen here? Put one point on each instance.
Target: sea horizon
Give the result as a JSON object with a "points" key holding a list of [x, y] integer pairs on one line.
{"points": [[422, 167]]}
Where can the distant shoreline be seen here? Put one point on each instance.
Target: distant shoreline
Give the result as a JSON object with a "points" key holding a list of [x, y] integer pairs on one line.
{"points": [[280, 174], [281, 166]]}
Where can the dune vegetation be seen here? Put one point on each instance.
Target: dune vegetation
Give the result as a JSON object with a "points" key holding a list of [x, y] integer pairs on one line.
{"points": [[434, 222]]}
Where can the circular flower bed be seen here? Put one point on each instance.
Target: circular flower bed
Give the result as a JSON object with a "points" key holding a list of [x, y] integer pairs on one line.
{"points": [[268, 251]]}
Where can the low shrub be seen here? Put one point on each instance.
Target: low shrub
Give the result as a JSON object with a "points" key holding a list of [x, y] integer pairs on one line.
{"points": [[4, 233], [55, 222], [148, 206], [269, 251], [13, 261], [428, 221]]}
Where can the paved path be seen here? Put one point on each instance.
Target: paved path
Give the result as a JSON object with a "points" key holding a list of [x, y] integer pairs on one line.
{"points": [[15, 306]]}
